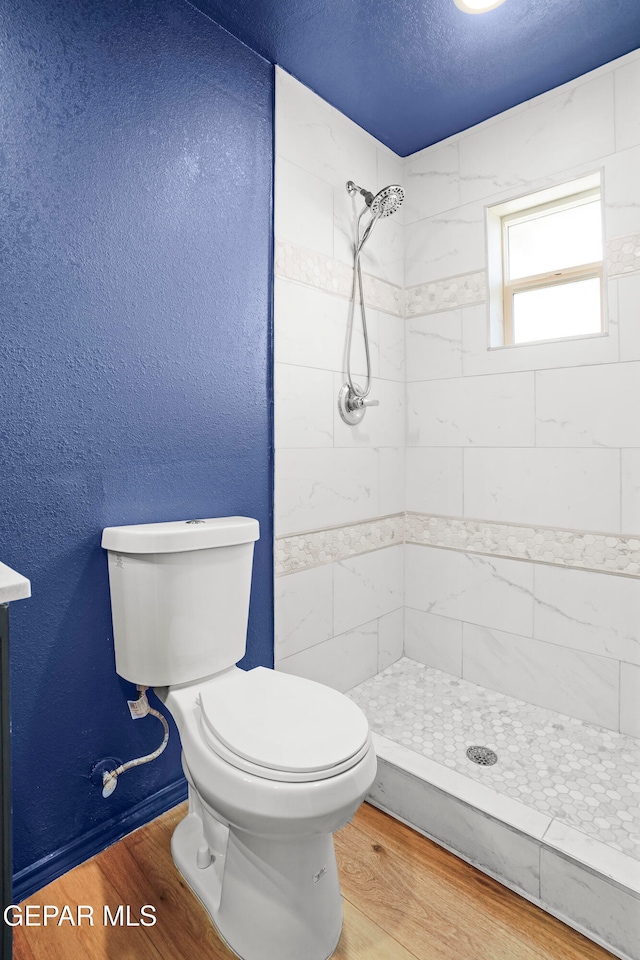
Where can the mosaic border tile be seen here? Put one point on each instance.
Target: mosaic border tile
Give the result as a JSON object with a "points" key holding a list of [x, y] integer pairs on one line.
{"points": [[332, 276], [623, 255], [602, 552], [610, 553], [315, 547], [446, 294]]}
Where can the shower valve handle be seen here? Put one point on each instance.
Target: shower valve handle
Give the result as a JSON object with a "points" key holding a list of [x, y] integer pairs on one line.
{"points": [[352, 406], [357, 403]]}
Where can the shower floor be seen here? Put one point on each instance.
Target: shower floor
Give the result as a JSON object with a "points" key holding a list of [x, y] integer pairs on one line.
{"points": [[582, 775], [556, 818]]}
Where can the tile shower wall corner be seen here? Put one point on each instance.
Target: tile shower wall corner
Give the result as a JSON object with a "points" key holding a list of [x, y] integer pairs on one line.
{"points": [[527, 459], [340, 620], [535, 444]]}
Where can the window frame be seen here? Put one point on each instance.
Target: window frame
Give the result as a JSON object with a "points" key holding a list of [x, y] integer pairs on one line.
{"points": [[501, 290]]}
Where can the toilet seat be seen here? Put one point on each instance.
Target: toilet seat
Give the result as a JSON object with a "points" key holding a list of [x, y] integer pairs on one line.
{"points": [[281, 727]]}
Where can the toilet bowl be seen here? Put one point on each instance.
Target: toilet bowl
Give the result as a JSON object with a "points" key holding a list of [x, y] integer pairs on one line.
{"points": [[257, 844], [275, 763]]}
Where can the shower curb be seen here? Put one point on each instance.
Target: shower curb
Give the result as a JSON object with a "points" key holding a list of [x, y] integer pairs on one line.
{"points": [[589, 886]]}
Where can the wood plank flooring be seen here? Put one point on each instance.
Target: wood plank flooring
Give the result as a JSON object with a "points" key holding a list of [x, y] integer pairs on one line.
{"points": [[404, 899]]}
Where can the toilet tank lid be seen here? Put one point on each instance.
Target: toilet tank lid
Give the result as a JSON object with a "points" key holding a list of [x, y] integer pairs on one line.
{"points": [[179, 536]]}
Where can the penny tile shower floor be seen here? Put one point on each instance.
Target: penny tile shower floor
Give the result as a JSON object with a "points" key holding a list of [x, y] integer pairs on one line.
{"points": [[583, 775]]}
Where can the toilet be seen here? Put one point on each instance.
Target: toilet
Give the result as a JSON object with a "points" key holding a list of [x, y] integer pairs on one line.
{"points": [[275, 763]]}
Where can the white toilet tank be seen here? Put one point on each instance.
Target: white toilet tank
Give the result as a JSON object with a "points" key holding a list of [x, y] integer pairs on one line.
{"points": [[180, 597]]}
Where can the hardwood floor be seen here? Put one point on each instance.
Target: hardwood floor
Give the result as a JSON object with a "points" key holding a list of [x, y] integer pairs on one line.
{"points": [[404, 899]]}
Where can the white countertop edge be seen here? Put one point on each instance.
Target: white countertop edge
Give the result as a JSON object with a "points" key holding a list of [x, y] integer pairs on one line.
{"points": [[13, 586]]}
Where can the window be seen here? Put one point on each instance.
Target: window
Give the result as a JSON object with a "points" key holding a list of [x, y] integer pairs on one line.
{"points": [[545, 264]]}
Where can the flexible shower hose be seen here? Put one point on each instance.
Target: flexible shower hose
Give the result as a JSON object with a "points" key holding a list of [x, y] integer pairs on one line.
{"points": [[357, 280]]}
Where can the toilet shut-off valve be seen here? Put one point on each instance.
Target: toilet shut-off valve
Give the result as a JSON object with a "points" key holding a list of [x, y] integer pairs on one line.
{"points": [[138, 708]]}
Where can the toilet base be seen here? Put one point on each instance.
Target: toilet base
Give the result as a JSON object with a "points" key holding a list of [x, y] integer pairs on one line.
{"points": [[270, 898]]}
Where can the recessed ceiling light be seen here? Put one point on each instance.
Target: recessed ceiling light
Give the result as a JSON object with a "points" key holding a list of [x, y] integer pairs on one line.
{"points": [[477, 6]]}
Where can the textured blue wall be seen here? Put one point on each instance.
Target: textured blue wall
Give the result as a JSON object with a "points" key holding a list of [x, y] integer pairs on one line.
{"points": [[135, 242]]}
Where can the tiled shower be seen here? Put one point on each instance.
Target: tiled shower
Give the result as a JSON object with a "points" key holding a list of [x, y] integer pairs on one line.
{"points": [[479, 531]]}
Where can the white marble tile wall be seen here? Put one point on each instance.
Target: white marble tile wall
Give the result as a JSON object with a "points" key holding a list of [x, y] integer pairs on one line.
{"points": [[537, 672], [548, 487], [342, 621], [346, 659], [514, 440], [338, 606], [566, 640], [487, 591], [630, 699], [472, 411], [535, 436]]}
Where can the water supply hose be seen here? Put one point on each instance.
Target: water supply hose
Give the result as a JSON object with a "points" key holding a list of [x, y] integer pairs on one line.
{"points": [[139, 708]]}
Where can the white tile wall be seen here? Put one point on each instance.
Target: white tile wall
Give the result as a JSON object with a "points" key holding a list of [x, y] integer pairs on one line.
{"points": [[341, 662], [390, 335], [337, 621], [472, 411], [433, 640], [390, 638], [622, 193], [311, 326], [392, 474], [367, 587], [444, 245], [434, 346], [320, 140], [303, 406], [627, 97], [630, 490], [434, 480], [432, 181], [588, 611], [542, 435], [589, 406], [324, 487], [304, 213], [303, 610], [629, 316], [546, 487], [630, 699], [537, 672], [478, 589], [571, 126]]}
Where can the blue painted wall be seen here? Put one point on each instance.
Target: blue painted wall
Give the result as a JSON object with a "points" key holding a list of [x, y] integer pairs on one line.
{"points": [[135, 240]]}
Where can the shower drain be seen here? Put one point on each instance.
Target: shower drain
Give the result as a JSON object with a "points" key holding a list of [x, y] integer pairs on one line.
{"points": [[482, 755]]}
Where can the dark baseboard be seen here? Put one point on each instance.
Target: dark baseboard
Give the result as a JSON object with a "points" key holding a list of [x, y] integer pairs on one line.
{"points": [[49, 868]]}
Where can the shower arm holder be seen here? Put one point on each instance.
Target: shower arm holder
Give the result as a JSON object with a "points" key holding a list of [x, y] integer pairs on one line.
{"points": [[353, 407]]}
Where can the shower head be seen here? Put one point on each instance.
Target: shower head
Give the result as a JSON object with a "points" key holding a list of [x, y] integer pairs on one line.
{"points": [[386, 202]]}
